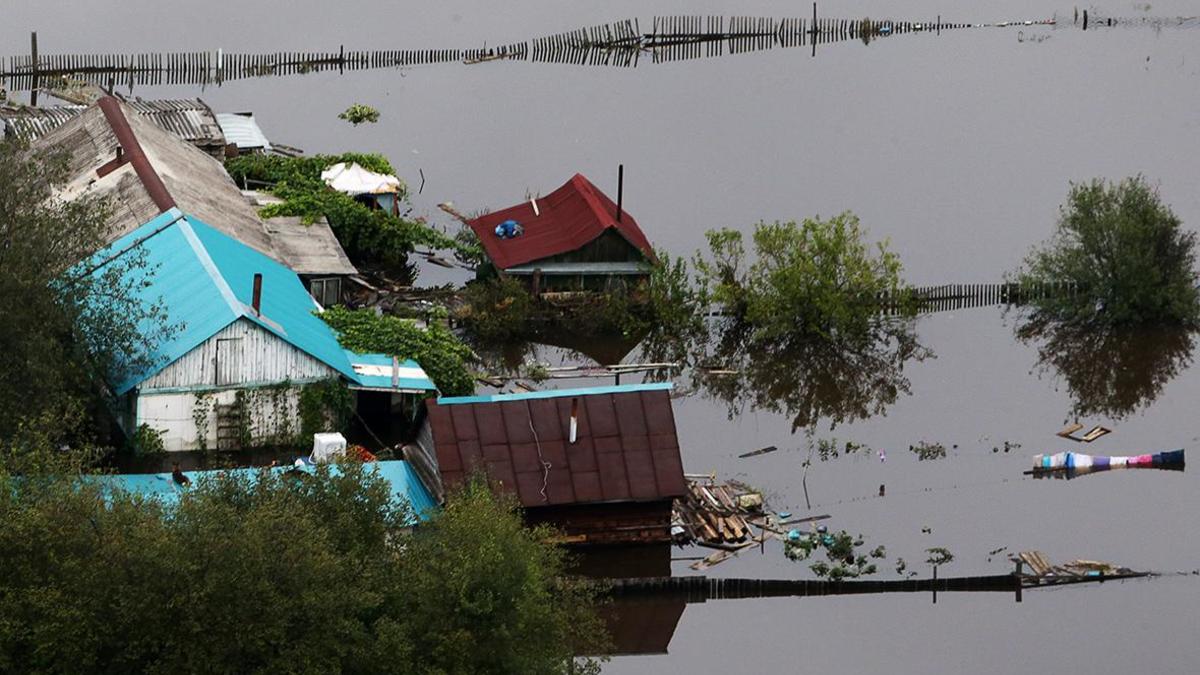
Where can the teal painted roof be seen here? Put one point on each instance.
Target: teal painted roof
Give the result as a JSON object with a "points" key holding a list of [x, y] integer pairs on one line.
{"points": [[205, 280], [374, 371], [555, 393], [404, 482]]}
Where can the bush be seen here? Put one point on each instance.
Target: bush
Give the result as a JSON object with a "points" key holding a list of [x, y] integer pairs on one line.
{"points": [[498, 308], [442, 355], [1123, 255], [366, 234], [359, 113], [276, 574], [817, 278]]}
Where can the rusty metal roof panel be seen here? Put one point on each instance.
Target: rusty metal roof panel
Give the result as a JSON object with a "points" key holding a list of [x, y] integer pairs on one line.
{"points": [[626, 447]]}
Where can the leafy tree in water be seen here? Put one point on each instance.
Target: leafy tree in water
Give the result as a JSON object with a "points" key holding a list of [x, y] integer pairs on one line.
{"points": [[359, 113], [439, 352], [815, 279], [71, 319], [1125, 253], [277, 574]]}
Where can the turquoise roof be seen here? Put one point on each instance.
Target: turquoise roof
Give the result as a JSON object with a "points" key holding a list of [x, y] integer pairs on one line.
{"points": [[373, 371], [205, 280], [404, 481], [555, 393]]}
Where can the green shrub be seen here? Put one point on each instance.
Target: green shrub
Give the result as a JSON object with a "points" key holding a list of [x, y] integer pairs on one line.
{"points": [[359, 113], [1119, 257], [818, 278], [498, 308]]}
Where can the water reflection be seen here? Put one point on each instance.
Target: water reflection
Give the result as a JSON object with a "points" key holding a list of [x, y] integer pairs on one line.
{"points": [[1109, 371], [812, 381]]}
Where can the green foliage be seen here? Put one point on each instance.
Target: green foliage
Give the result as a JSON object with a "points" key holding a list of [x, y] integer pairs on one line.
{"points": [[68, 326], [496, 309], [499, 605], [325, 406], [147, 441], [841, 551], [442, 355], [202, 407], [938, 556], [277, 574], [1124, 253], [926, 451], [817, 278], [359, 113], [366, 234]]}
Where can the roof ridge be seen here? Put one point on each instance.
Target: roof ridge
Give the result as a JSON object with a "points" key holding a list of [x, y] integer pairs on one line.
{"points": [[132, 148]]}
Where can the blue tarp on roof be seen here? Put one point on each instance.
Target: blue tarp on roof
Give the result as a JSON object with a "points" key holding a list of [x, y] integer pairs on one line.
{"points": [[205, 280], [555, 393], [405, 484]]}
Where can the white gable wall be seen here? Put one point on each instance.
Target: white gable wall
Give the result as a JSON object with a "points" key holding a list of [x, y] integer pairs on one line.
{"points": [[243, 353]]}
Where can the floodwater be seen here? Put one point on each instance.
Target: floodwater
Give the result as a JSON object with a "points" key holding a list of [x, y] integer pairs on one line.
{"points": [[957, 148]]}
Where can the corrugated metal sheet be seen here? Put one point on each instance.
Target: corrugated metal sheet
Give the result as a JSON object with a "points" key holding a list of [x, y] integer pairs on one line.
{"points": [[189, 119], [566, 220], [404, 482], [243, 131], [626, 446], [205, 280], [374, 371]]}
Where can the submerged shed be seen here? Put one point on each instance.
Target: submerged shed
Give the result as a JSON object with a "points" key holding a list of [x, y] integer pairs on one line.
{"points": [[601, 463], [574, 238]]}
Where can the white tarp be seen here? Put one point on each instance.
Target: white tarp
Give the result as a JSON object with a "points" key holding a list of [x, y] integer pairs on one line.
{"points": [[353, 179], [328, 447]]}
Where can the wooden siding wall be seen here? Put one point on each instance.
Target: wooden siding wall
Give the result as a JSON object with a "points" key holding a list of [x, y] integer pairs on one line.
{"points": [[263, 359], [421, 456], [608, 523], [608, 247]]}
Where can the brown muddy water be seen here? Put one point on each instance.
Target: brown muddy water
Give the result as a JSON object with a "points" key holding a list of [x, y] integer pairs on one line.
{"points": [[957, 148]]}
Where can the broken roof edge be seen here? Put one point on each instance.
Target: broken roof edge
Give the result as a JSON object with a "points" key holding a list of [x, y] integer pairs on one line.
{"points": [[556, 393], [373, 372]]}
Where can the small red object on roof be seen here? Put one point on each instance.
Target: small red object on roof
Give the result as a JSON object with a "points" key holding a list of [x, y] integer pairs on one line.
{"points": [[565, 220]]}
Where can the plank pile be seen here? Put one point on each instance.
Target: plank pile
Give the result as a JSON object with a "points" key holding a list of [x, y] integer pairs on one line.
{"points": [[1042, 573], [715, 515]]}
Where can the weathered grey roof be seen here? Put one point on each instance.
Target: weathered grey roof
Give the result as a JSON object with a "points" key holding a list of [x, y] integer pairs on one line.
{"points": [[197, 182], [309, 249], [241, 130], [189, 119]]}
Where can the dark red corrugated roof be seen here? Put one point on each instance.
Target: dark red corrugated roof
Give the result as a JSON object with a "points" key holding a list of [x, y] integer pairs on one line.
{"points": [[570, 217], [626, 448]]}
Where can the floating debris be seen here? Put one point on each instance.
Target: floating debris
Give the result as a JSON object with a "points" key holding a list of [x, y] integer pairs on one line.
{"points": [[755, 453], [1096, 432], [1042, 573], [1070, 464]]}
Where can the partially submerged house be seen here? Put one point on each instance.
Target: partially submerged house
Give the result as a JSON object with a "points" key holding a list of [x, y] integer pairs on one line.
{"points": [[602, 463], [574, 238], [243, 133], [245, 343], [102, 142], [189, 119]]}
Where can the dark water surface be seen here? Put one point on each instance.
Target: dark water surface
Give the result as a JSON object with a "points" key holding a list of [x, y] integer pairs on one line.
{"points": [[958, 148]]}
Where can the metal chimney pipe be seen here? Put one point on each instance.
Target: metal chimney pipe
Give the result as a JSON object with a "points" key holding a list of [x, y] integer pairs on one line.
{"points": [[620, 189], [574, 419], [256, 301]]}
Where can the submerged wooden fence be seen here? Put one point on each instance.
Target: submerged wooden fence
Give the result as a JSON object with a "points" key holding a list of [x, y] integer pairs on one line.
{"points": [[949, 297], [702, 589], [623, 43]]}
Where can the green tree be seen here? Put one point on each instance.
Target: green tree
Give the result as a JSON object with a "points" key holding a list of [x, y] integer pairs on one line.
{"points": [[818, 278], [271, 573], [439, 352], [1120, 257], [72, 319]]}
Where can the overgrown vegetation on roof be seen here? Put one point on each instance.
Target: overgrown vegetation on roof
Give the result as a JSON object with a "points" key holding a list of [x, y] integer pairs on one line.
{"points": [[368, 235], [438, 351]]}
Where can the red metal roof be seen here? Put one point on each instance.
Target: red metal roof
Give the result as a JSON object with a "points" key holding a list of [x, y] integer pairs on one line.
{"points": [[570, 217], [626, 448]]}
